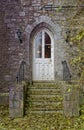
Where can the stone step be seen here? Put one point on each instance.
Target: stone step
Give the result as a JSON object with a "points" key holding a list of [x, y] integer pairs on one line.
{"points": [[45, 105], [45, 97], [44, 109], [44, 112], [47, 83], [44, 91], [42, 86]]}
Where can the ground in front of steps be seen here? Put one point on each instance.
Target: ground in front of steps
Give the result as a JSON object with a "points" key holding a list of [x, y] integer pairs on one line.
{"points": [[40, 121]]}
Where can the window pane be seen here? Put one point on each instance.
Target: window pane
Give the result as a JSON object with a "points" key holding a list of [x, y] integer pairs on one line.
{"points": [[47, 51], [47, 39], [47, 46], [38, 46]]}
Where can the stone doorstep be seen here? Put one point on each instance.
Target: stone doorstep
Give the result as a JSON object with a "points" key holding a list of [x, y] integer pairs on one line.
{"points": [[57, 83], [4, 98]]}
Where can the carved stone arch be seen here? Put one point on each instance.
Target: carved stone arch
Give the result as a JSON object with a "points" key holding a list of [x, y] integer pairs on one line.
{"points": [[55, 29], [46, 21], [37, 28]]}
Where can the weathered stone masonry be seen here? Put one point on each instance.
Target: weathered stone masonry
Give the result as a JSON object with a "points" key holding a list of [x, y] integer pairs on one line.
{"points": [[23, 15], [29, 16]]}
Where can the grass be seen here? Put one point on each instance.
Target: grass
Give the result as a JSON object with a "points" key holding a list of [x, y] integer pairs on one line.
{"points": [[39, 121]]}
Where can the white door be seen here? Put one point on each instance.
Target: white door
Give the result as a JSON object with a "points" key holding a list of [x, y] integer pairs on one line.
{"points": [[43, 56]]}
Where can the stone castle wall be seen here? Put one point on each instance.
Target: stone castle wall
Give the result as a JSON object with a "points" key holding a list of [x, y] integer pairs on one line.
{"points": [[26, 15]]}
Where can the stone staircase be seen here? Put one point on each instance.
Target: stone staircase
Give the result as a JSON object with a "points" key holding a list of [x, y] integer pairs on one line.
{"points": [[44, 98]]}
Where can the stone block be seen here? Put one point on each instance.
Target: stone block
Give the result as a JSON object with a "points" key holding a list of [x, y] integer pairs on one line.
{"points": [[81, 98], [71, 102], [22, 13], [71, 108], [16, 101], [4, 98]]}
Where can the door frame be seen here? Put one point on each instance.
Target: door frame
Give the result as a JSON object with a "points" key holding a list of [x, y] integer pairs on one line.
{"points": [[52, 44]]}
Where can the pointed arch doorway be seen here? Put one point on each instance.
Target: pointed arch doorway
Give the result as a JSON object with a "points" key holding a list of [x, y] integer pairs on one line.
{"points": [[43, 56]]}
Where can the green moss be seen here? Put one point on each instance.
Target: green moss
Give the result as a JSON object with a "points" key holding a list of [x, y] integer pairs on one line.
{"points": [[4, 94], [39, 122]]}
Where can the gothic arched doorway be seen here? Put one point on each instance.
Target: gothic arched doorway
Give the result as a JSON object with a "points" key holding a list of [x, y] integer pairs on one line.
{"points": [[43, 56]]}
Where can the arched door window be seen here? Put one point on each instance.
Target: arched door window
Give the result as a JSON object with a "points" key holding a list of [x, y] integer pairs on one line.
{"points": [[42, 45]]}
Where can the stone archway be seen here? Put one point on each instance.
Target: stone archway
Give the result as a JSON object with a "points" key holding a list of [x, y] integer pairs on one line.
{"points": [[43, 55], [41, 23]]}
